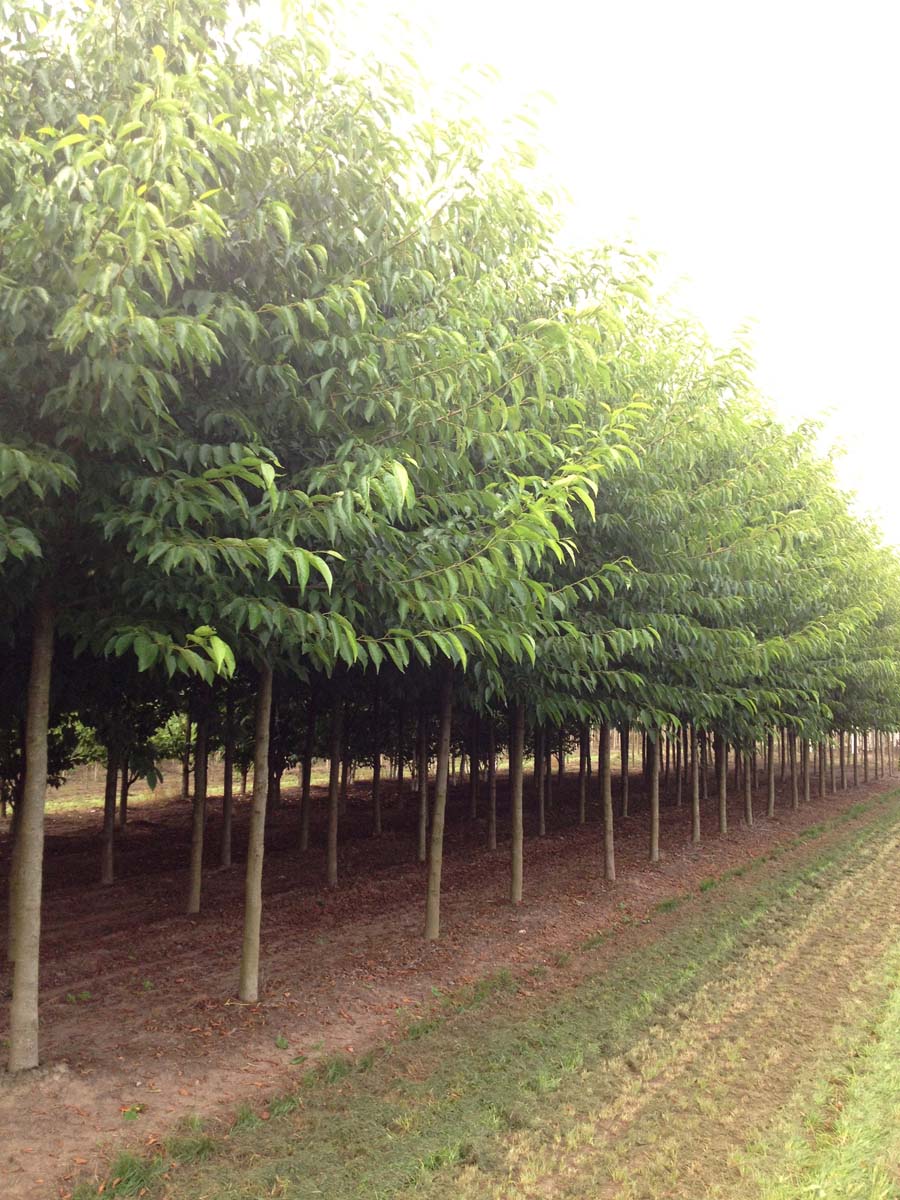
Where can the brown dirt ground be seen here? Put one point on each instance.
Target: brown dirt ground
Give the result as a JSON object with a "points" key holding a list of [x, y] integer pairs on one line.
{"points": [[138, 1000]]}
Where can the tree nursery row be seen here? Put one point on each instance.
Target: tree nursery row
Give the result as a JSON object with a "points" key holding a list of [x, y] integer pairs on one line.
{"points": [[315, 444]]}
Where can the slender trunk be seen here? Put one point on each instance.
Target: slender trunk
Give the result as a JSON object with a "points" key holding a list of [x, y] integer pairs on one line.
{"points": [[783, 753], [843, 760], [376, 791], [199, 814], [831, 777], [678, 779], [539, 780], [516, 788], [422, 745], [807, 771], [584, 753], [248, 987], [792, 750], [821, 753], [436, 856], [704, 765], [26, 872], [855, 759], [228, 784], [665, 753], [865, 756], [609, 850], [245, 771], [695, 788], [748, 790], [306, 775], [334, 786], [345, 778], [186, 761], [770, 772], [492, 789], [624, 742], [123, 795], [107, 865], [401, 743], [721, 749], [561, 756], [548, 790], [473, 768], [653, 752]]}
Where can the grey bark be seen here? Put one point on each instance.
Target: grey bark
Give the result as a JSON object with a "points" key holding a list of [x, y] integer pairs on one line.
{"points": [[334, 782], [199, 813], [248, 987], [436, 855], [26, 873], [516, 788], [609, 850]]}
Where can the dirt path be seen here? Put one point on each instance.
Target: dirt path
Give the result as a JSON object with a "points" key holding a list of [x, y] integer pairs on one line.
{"points": [[137, 1012]]}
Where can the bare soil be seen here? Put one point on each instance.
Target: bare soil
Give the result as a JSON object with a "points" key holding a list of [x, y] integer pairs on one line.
{"points": [[138, 1012]]}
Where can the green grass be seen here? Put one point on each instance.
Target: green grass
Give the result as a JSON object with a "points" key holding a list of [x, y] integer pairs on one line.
{"points": [[850, 1146], [488, 1060]]}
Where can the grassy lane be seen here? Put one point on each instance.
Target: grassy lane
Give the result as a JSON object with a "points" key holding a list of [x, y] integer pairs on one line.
{"points": [[686, 1058]]}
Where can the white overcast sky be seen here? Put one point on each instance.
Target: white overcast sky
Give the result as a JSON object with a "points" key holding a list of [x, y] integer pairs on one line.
{"points": [[755, 146]]}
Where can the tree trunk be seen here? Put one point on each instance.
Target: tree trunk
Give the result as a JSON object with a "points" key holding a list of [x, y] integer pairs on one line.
{"points": [[186, 761], [422, 744], [843, 760], [107, 866], [704, 765], [653, 752], [678, 778], [376, 791], [792, 750], [492, 789], [539, 772], [807, 771], [865, 756], [248, 988], [609, 849], [770, 772], [345, 778], [783, 753], [199, 822], [695, 788], [26, 871], [855, 759], [721, 751], [309, 745], [748, 790], [123, 795], [334, 784], [584, 751], [228, 784], [435, 860], [401, 743], [548, 761], [516, 787], [819, 756], [831, 776], [473, 768], [624, 740]]}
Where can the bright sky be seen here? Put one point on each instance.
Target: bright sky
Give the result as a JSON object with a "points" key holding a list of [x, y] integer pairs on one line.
{"points": [[754, 144]]}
